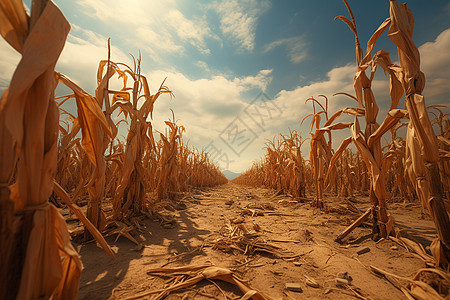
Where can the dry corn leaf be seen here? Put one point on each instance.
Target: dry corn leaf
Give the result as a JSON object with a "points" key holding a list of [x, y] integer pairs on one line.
{"points": [[73, 207], [196, 274]]}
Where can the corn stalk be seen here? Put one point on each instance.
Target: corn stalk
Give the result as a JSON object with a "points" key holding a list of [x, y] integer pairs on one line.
{"points": [[422, 148], [368, 107], [282, 169], [96, 133], [443, 138], [167, 171], [321, 150], [130, 193], [50, 266]]}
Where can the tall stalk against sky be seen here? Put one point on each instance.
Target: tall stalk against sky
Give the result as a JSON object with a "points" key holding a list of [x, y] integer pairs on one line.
{"points": [[369, 109]]}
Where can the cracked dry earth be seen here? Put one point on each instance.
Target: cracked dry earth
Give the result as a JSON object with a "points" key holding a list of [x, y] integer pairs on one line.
{"points": [[298, 238]]}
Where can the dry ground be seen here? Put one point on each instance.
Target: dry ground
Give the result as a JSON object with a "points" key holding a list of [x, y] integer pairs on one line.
{"points": [[304, 235]]}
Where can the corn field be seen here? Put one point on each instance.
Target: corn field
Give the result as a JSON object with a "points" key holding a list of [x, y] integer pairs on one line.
{"points": [[415, 169], [51, 157], [77, 156]]}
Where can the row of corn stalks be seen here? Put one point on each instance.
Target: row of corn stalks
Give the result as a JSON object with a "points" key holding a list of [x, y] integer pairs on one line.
{"points": [[283, 168], [144, 165], [415, 168], [78, 154]]}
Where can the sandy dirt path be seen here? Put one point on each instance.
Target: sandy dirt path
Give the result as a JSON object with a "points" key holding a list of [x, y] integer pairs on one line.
{"points": [[304, 236]]}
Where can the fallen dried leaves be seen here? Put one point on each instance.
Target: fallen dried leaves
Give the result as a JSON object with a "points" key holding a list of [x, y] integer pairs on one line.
{"points": [[190, 275]]}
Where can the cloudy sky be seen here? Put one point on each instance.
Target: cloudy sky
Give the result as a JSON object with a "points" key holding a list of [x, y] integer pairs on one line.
{"points": [[242, 70]]}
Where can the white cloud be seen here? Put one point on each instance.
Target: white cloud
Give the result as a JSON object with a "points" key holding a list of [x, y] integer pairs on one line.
{"points": [[435, 63], [155, 43], [214, 99], [190, 31], [295, 47], [338, 80], [239, 20], [205, 106], [81, 55], [203, 65], [261, 80], [157, 27]]}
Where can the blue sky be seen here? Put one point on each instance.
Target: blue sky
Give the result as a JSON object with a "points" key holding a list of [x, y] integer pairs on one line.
{"points": [[219, 55]]}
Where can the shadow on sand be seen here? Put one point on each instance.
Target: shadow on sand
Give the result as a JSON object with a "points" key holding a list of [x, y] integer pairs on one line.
{"points": [[102, 274]]}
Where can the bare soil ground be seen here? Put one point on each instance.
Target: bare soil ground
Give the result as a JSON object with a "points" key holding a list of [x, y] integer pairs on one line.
{"points": [[304, 237]]}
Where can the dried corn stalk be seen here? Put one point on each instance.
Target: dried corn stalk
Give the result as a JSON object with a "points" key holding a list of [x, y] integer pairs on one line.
{"points": [[421, 140], [397, 176], [422, 154], [167, 171], [283, 167], [95, 132], [321, 150], [130, 192], [68, 172], [50, 267], [296, 164], [345, 169], [371, 153], [443, 138]]}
